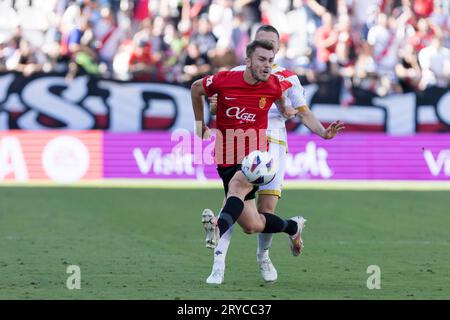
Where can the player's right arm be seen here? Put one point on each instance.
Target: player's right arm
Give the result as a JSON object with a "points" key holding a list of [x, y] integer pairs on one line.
{"points": [[207, 86], [213, 104], [197, 93]]}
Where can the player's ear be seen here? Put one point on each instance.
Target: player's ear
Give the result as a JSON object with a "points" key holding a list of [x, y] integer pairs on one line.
{"points": [[247, 62]]}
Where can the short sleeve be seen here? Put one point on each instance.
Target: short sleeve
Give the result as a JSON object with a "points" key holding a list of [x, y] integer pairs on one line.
{"points": [[212, 83], [294, 90], [296, 94]]}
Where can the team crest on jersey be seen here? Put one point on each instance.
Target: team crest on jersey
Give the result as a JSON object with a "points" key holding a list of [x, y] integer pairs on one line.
{"points": [[262, 102]]}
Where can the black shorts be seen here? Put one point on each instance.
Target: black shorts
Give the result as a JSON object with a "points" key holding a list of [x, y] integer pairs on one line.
{"points": [[227, 173]]}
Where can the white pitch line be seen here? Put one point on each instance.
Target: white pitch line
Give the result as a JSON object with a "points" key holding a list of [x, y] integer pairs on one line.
{"points": [[216, 184]]}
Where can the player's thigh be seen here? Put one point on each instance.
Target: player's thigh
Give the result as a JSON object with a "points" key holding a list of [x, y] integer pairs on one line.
{"points": [[239, 186], [234, 182], [250, 220]]}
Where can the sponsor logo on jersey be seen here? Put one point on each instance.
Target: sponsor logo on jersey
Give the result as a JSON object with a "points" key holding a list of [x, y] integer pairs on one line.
{"points": [[240, 114]]}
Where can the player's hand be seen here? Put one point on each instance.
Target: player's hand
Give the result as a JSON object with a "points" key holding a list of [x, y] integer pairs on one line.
{"points": [[213, 104], [333, 129], [202, 131], [289, 112]]}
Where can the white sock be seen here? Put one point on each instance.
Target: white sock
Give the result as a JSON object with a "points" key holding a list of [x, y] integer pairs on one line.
{"points": [[220, 252], [264, 243]]}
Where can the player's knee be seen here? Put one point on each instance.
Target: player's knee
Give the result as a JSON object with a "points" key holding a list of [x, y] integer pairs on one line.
{"points": [[249, 229], [253, 226], [239, 187]]}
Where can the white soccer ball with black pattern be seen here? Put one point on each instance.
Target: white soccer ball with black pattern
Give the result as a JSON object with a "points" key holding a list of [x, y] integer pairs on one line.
{"points": [[259, 167]]}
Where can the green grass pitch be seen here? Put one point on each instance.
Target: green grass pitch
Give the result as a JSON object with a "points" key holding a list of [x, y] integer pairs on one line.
{"points": [[149, 244]]}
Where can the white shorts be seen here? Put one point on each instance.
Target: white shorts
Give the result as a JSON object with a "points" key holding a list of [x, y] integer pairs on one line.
{"points": [[278, 149]]}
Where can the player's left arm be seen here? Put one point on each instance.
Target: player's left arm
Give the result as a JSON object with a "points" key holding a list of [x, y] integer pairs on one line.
{"points": [[297, 95], [286, 111], [312, 123]]}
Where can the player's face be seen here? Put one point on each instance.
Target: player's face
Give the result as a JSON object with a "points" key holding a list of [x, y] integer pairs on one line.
{"points": [[260, 64], [270, 37]]}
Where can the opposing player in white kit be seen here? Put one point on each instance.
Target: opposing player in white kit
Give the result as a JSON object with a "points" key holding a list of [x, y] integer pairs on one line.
{"points": [[269, 194]]}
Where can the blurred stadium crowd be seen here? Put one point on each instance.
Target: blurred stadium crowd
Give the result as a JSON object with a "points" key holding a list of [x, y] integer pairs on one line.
{"points": [[384, 46]]}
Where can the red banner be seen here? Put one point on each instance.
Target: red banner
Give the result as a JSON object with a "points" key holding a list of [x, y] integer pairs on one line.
{"points": [[55, 156]]}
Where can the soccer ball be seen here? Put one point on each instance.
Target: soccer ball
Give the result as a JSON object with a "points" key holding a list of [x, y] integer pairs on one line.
{"points": [[259, 167]]}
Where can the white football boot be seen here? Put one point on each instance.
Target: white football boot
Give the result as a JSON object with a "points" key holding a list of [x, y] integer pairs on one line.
{"points": [[296, 240], [216, 277], [209, 221], [268, 271]]}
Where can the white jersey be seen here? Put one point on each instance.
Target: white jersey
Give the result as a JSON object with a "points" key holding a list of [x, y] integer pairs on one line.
{"points": [[295, 97]]}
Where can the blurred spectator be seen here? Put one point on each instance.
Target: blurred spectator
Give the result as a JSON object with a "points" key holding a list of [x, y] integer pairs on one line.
{"points": [[365, 75], [3, 54], [141, 64], [362, 10], [26, 59], [221, 18], [250, 10], [385, 39], [239, 37], [423, 36], [174, 44], [330, 6], [82, 50], [326, 39], [423, 8], [408, 69], [203, 38], [108, 37], [435, 63], [274, 13], [384, 46], [344, 58], [141, 10], [195, 64], [347, 42], [302, 27]]}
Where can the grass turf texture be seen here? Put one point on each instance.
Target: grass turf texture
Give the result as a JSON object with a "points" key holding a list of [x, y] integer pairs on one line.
{"points": [[149, 244]]}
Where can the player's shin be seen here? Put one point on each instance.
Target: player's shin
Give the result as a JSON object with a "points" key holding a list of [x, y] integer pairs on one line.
{"points": [[275, 224], [220, 252], [264, 243], [229, 214]]}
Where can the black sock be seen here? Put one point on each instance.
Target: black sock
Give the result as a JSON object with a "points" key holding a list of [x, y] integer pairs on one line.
{"points": [[291, 227], [229, 214], [275, 224]]}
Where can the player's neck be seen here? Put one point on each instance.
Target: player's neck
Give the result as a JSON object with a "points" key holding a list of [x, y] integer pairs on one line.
{"points": [[249, 78]]}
